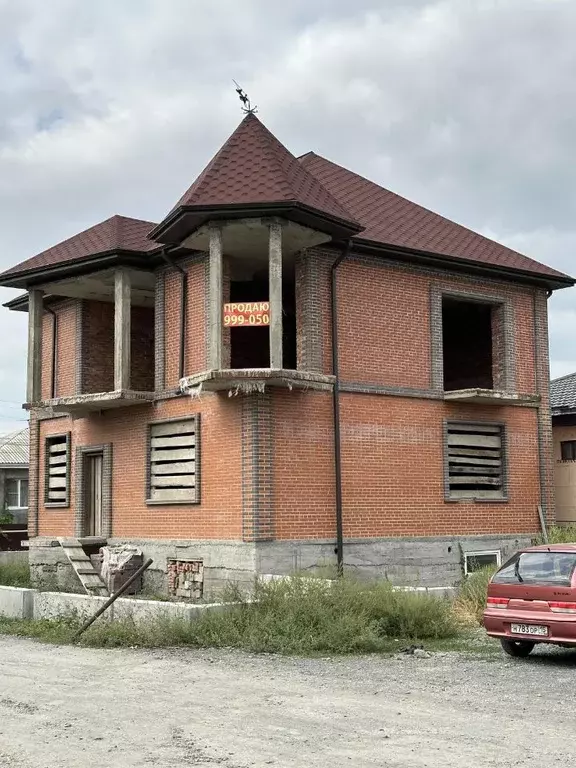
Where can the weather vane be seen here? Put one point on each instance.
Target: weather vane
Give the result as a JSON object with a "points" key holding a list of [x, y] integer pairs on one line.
{"points": [[247, 107]]}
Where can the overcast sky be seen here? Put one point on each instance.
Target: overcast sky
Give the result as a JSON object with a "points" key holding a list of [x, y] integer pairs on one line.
{"points": [[465, 106]]}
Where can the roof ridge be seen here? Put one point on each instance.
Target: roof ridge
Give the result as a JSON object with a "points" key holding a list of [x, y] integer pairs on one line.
{"points": [[561, 378]]}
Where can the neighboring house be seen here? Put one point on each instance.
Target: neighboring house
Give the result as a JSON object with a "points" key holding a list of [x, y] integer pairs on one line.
{"points": [[186, 395], [563, 403], [14, 450]]}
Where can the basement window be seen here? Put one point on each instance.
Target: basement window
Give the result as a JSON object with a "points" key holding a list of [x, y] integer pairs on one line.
{"points": [[475, 561], [467, 343], [57, 474], [568, 450], [475, 461], [173, 471]]}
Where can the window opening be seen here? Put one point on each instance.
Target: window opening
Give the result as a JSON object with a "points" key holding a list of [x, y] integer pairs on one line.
{"points": [[467, 343]]}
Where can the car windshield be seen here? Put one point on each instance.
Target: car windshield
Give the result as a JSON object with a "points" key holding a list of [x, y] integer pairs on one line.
{"points": [[538, 568]]}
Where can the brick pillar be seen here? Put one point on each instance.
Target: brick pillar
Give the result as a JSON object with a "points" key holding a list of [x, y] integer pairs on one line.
{"points": [[33, 475], [226, 340], [545, 444], [309, 335], [122, 333], [159, 342], [257, 509], [215, 299], [35, 322], [275, 293]]}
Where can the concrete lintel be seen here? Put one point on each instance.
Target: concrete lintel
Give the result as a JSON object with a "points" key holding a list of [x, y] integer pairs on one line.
{"points": [[122, 334], [35, 313], [275, 293]]}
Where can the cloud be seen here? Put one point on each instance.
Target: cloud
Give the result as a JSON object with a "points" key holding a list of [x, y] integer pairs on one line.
{"points": [[115, 106]]}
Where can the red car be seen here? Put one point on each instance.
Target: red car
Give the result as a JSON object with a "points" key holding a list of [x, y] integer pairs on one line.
{"points": [[532, 599]]}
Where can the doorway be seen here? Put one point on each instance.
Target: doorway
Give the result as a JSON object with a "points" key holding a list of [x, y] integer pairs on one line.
{"points": [[93, 494]]}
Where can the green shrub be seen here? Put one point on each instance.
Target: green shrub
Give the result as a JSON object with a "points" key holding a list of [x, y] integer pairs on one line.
{"points": [[16, 574], [471, 598]]}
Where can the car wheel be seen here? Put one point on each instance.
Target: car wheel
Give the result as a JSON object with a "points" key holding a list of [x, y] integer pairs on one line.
{"points": [[517, 648]]}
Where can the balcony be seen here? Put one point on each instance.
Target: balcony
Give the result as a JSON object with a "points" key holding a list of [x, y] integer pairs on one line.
{"points": [[247, 380], [98, 353], [490, 397], [76, 405]]}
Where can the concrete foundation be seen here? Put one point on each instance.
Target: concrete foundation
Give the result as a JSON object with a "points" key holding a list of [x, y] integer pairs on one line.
{"points": [[410, 562]]}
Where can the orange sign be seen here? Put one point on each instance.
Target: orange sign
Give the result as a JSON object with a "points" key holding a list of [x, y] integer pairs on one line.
{"points": [[247, 313]]}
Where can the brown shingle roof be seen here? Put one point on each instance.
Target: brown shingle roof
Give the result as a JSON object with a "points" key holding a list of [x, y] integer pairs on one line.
{"points": [[390, 219], [118, 233], [254, 167]]}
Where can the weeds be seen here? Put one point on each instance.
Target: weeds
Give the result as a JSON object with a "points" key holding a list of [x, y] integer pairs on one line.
{"points": [[471, 598], [16, 574], [298, 615], [558, 534]]}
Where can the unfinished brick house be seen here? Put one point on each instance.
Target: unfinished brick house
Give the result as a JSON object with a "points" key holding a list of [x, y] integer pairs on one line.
{"points": [[295, 368]]}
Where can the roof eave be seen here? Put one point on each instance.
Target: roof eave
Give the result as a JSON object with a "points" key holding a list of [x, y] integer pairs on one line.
{"points": [[186, 219], [30, 277], [453, 263]]}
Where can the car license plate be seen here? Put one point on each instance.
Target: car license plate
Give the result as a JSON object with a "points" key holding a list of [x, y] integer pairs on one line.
{"points": [[528, 629]]}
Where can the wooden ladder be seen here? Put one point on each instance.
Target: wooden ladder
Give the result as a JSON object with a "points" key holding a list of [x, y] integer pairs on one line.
{"points": [[88, 575]]}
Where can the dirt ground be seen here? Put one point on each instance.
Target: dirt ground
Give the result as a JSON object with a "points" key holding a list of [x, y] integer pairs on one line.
{"points": [[69, 707]]}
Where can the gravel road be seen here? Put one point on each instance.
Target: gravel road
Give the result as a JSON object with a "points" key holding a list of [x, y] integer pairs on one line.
{"points": [[68, 707]]}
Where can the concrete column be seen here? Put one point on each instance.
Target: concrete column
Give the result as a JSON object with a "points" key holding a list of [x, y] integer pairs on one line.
{"points": [[275, 293], [35, 318], [215, 298], [122, 333]]}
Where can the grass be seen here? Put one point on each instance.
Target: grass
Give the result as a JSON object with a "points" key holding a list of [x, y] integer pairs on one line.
{"points": [[299, 616], [16, 574], [559, 534], [471, 598]]}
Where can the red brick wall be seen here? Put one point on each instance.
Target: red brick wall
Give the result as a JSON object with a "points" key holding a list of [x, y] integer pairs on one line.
{"points": [[219, 513], [142, 349], [97, 346], [196, 320], [392, 468], [384, 324], [195, 343], [172, 309], [393, 453], [66, 350]]}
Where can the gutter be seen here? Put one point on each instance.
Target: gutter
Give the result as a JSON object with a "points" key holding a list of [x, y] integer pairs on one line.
{"points": [[183, 305], [54, 350], [336, 410]]}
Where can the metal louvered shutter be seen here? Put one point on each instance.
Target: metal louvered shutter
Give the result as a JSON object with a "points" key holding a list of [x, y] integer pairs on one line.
{"points": [[475, 461], [173, 475], [57, 469]]}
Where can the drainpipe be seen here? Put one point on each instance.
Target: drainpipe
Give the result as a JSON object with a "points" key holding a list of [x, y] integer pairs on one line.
{"points": [[540, 436], [54, 347], [336, 411], [183, 304]]}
